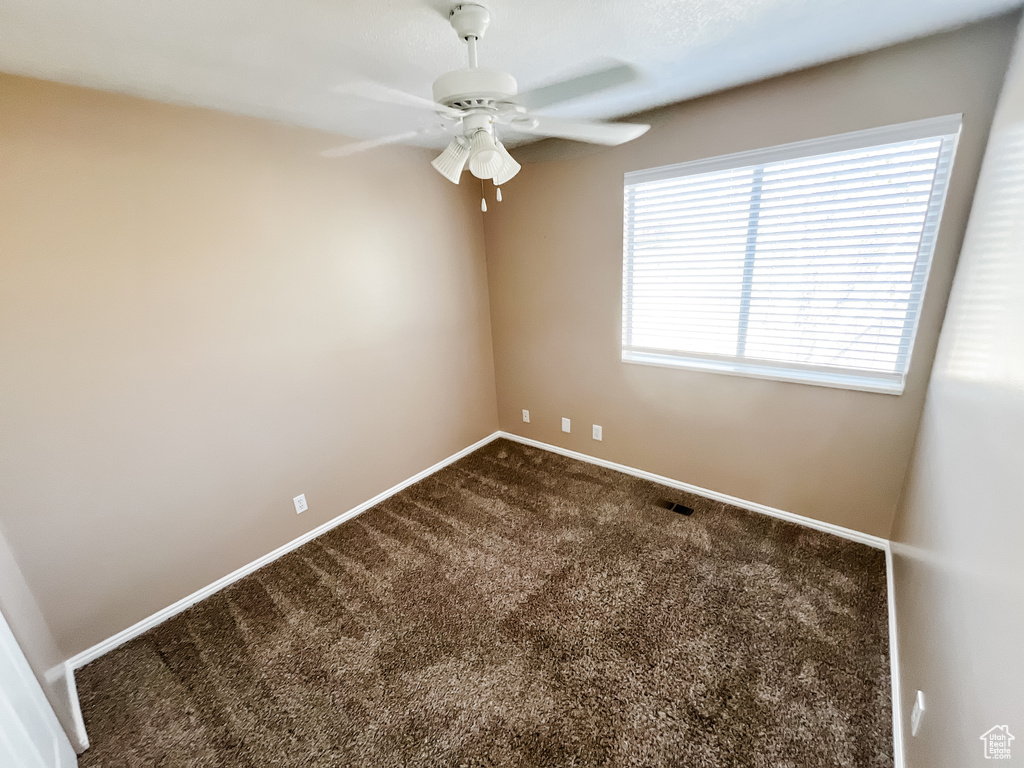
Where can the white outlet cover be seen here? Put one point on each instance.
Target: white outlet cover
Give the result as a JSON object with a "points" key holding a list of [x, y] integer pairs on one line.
{"points": [[565, 425], [598, 432], [300, 504], [526, 416], [915, 715]]}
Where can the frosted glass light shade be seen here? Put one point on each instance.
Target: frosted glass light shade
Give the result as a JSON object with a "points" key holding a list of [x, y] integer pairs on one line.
{"points": [[509, 167], [452, 161], [484, 158]]}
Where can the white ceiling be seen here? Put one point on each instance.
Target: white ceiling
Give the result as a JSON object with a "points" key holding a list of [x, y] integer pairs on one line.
{"points": [[278, 58]]}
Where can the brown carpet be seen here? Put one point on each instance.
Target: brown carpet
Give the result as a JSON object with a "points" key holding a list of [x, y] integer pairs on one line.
{"points": [[519, 608]]}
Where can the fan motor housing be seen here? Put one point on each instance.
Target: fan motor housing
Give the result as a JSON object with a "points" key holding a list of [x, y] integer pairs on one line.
{"points": [[469, 88]]}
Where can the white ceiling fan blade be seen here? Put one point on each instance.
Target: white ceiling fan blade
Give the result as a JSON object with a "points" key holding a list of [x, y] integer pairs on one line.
{"points": [[578, 87], [361, 146], [386, 95], [610, 134]]}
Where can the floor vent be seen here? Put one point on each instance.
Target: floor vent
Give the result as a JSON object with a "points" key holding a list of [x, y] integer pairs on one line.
{"points": [[673, 506]]}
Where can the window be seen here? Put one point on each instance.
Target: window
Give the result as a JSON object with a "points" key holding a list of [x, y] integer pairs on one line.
{"points": [[805, 262]]}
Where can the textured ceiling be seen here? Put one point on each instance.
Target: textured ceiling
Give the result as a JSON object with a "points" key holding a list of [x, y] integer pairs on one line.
{"points": [[278, 58]]}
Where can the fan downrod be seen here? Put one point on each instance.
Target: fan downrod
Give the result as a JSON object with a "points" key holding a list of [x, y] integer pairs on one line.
{"points": [[474, 87]]}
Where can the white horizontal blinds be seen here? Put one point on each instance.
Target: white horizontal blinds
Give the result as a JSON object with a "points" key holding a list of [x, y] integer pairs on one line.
{"points": [[815, 263], [678, 231]]}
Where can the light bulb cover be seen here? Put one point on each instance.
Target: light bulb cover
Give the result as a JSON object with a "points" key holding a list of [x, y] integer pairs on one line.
{"points": [[452, 161], [509, 167], [484, 157]]}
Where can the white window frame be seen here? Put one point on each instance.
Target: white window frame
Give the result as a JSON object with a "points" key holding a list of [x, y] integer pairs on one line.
{"points": [[947, 127]]}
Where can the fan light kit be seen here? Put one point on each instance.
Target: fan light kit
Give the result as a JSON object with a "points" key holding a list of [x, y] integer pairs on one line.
{"points": [[471, 102]]}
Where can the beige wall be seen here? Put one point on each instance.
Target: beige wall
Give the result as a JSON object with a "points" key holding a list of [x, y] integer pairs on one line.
{"points": [[554, 253], [959, 536], [200, 319]]}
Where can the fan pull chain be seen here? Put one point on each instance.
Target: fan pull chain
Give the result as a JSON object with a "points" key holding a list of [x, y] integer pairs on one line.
{"points": [[498, 194], [483, 198]]}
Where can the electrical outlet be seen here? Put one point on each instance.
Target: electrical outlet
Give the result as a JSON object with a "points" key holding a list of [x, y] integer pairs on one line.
{"points": [[565, 425], [300, 504], [916, 714], [526, 416], [597, 432]]}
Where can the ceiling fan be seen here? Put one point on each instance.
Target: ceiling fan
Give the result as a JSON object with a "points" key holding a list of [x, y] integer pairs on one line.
{"points": [[474, 101]]}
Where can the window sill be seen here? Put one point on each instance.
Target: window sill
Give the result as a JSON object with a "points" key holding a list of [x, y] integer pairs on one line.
{"points": [[795, 375]]}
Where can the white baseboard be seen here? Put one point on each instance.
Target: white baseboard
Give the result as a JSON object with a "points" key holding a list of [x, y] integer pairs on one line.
{"points": [[105, 646], [80, 740], [63, 695], [90, 654], [847, 533], [899, 759]]}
